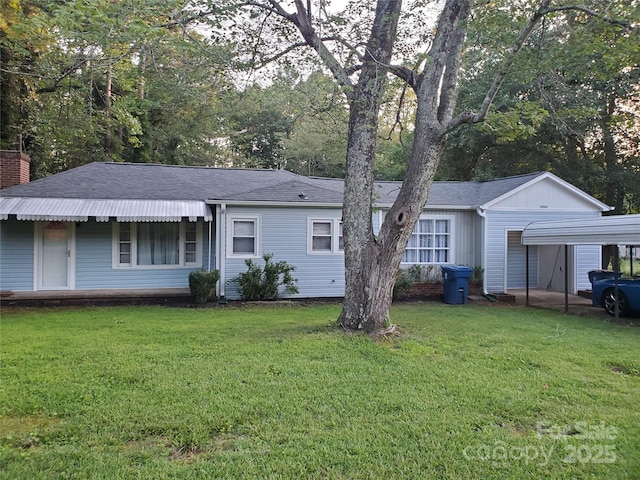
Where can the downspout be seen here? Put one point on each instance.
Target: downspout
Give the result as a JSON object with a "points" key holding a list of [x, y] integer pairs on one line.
{"points": [[209, 253], [221, 214], [483, 215]]}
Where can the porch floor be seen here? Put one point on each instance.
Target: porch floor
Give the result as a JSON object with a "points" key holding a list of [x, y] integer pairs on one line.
{"points": [[68, 297]]}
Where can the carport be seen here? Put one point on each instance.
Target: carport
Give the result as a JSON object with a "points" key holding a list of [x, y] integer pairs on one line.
{"points": [[612, 230]]}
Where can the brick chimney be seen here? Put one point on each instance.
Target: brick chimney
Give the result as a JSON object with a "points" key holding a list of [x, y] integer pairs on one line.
{"points": [[14, 168]]}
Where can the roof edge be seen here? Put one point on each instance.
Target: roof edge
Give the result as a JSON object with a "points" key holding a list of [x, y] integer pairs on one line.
{"points": [[542, 176]]}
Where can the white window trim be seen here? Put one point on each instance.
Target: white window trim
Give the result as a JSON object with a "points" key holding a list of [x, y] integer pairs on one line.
{"points": [[257, 219], [451, 248], [335, 236], [115, 255]]}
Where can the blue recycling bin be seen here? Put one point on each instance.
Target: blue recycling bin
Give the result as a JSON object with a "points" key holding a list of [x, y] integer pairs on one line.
{"points": [[595, 275], [455, 284]]}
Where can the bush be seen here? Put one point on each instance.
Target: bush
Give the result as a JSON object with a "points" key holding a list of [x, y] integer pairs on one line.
{"points": [[264, 283], [403, 284], [203, 285]]}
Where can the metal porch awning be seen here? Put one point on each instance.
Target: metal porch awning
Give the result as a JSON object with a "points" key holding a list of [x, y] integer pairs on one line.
{"points": [[80, 210]]}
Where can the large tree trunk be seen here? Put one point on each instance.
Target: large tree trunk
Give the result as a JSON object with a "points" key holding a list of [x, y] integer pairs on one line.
{"points": [[368, 284], [372, 262]]}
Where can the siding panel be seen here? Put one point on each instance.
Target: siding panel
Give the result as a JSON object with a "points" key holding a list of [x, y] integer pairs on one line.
{"points": [[546, 194], [94, 268], [588, 257], [16, 255], [498, 223], [284, 234]]}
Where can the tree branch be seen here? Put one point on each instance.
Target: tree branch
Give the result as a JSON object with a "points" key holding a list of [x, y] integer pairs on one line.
{"points": [[470, 117], [408, 75], [543, 10], [591, 13], [303, 23]]}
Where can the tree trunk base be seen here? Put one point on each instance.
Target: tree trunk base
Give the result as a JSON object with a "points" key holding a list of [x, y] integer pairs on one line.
{"points": [[380, 334]]}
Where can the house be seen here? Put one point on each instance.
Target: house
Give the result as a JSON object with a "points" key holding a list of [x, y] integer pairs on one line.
{"points": [[117, 227]]}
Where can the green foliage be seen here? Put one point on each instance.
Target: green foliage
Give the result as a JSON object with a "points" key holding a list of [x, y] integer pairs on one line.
{"points": [[203, 285], [569, 103], [244, 392], [107, 81], [263, 283], [402, 287], [477, 274]]}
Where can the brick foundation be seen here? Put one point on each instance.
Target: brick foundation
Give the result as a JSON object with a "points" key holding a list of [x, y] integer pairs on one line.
{"points": [[426, 290], [14, 168]]}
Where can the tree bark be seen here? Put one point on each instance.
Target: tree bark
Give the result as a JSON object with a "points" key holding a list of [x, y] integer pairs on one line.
{"points": [[372, 262], [368, 285]]}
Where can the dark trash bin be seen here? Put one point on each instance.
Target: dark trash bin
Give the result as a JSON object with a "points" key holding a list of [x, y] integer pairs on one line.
{"points": [[595, 275], [455, 287]]}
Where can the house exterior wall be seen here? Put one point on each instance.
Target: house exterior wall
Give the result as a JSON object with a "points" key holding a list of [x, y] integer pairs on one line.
{"points": [[93, 262], [499, 222], [16, 255], [284, 233], [585, 255], [467, 234]]}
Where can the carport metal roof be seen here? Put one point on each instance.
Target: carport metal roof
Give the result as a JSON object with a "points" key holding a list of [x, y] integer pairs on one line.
{"points": [[612, 230]]}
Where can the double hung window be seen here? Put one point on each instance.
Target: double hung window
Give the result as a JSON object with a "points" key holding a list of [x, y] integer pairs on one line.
{"points": [[325, 236], [149, 244], [243, 236], [430, 242]]}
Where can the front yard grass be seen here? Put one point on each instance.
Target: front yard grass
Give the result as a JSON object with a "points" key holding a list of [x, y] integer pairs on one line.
{"points": [[467, 391]]}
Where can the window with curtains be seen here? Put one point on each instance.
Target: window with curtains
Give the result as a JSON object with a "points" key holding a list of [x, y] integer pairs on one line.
{"points": [[325, 236], [430, 242], [243, 236], [162, 244]]}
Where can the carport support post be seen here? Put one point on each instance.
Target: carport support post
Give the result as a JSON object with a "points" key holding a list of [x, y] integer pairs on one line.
{"points": [[526, 274], [616, 269], [566, 278]]}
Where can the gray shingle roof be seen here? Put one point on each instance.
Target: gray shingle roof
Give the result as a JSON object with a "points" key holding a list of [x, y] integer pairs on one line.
{"points": [[170, 182]]}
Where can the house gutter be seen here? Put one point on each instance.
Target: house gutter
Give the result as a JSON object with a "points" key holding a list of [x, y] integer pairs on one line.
{"points": [[483, 214], [260, 203], [210, 241]]}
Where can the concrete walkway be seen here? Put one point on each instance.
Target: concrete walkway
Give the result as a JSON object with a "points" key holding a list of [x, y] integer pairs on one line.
{"points": [[556, 301]]}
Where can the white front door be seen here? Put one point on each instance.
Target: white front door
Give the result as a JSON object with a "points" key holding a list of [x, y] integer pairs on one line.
{"points": [[55, 255]]}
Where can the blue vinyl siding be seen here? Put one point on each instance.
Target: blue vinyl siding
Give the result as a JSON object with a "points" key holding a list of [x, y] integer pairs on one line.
{"points": [[16, 255], [94, 268], [284, 234]]}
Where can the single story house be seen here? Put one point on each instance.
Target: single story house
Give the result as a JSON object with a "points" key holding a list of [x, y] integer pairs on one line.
{"points": [[118, 227]]}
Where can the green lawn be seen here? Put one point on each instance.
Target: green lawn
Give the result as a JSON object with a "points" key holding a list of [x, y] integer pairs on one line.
{"points": [[467, 391]]}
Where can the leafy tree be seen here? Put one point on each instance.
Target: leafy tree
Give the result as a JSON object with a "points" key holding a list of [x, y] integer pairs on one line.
{"points": [[359, 56], [258, 122], [318, 141], [115, 81], [572, 114]]}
